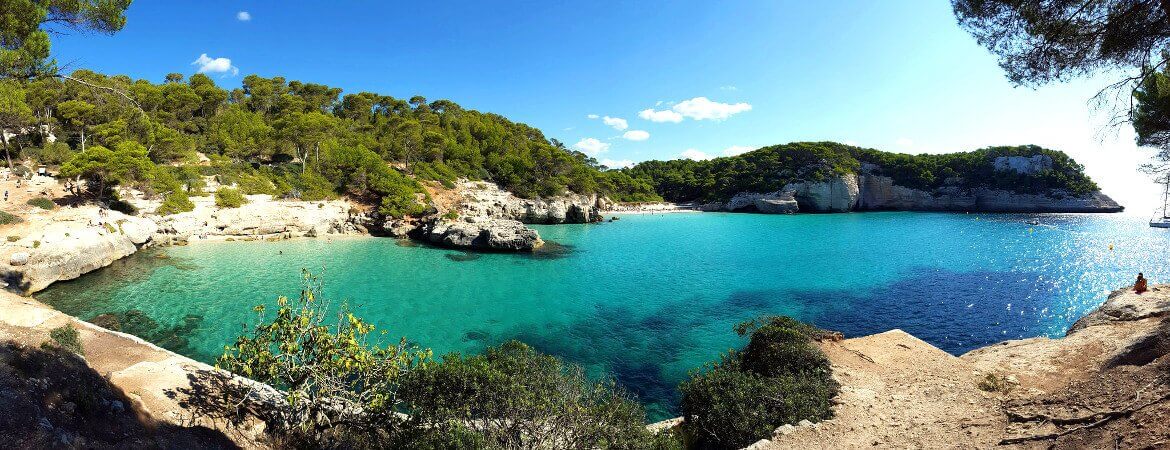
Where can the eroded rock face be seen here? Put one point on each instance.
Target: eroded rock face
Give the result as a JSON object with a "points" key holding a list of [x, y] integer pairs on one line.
{"points": [[839, 194], [483, 199], [779, 202], [260, 217], [479, 233], [1027, 165], [880, 193], [76, 242]]}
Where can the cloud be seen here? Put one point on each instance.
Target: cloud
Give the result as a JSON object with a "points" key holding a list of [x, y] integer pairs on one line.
{"points": [[702, 108], [636, 135], [728, 88], [592, 116], [737, 150], [617, 164], [616, 122], [904, 143], [661, 116], [215, 65], [695, 154], [698, 108], [243, 16], [591, 146]]}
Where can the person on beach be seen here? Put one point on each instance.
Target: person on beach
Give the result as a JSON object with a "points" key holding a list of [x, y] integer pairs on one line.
{"points": [[1140, 285]]}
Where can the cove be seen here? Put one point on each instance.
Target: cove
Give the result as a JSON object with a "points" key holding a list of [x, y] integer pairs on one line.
{"points": [[647, 298]]}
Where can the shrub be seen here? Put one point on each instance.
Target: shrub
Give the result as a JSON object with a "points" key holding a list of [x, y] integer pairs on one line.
{"points": [[123, 207], [175, 202], [13, 238], [42, 202], [8, 218], [52, 154], [781, 377], [326, 368], [229, 198], [451, 215], [516, 397], [996, 383], [66, 337]]}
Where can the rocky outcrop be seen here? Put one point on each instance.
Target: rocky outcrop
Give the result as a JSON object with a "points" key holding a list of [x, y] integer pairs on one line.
{"points": [[1025, 165], [261, 217], [479, 233], [484, 199], [838, 194], [76, 241], [779, 202], [880, 193]]}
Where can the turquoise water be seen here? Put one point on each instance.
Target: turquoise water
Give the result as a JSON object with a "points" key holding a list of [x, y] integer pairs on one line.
{"points": [[647, 298]]}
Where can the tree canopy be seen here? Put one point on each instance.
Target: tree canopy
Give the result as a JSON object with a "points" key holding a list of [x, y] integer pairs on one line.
{"points": [[25, 26]]}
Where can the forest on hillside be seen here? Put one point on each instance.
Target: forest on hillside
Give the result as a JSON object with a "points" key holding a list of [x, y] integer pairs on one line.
{"points": [[771, 168], [285, 138]]}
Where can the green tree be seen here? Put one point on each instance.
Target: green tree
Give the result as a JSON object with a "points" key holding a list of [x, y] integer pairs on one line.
{"points": [[103, 168], [25, 26], [15, 114]]}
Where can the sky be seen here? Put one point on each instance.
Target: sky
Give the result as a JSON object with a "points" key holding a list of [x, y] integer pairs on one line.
{"points": [[633, 81]]}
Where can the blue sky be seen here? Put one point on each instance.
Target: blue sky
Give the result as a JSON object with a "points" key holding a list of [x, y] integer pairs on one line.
{"points": [[895, 75]]}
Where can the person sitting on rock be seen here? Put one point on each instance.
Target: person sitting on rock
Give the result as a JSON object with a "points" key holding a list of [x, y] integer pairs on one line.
{"points": [[1140, 286]]}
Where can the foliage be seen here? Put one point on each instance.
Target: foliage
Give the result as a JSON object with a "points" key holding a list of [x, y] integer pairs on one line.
{"points": [[67, 338], [516, 397], [781, 377], [25, 26], [1038, 42], [42, 202], [50, 154], [996, 383], [771, 168], [175, 202], [104, 168], [8, 218], [226, 197], [331, 376]]}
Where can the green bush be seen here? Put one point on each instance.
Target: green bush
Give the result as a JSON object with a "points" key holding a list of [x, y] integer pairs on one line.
{"points": [[451, 215], [174, 203], [229, 198], [66, 337], [52, 154], [511, 387], [8, 218], [42, 202], [781, 377]]}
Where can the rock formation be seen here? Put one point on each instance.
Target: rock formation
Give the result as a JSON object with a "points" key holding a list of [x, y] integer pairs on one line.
{"points": [[260, 217], [75, 242], [484, 199], [479, 233]]}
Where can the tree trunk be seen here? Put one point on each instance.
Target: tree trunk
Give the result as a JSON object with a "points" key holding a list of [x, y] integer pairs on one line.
{"points": [[82, 139]]}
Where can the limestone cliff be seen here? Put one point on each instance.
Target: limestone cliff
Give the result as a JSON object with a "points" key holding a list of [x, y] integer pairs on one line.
{"points": [[485, 199]]}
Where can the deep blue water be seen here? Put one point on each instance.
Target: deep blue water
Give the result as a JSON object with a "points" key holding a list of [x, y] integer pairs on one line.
{"points": [[647, 298]]}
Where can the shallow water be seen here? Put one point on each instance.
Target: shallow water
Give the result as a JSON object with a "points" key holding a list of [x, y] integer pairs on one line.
{"points": [[647, 298]]}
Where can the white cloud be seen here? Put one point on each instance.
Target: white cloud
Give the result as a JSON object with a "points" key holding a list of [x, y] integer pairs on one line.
{"points": [[243, 16], [702, 108], [904, 143], [737, 150], [636, 135], [698, 108], [695, 154], [215, 65], [728, 88], [617, 164], [591, 146], [616, 122], [592, 116], [661, 116]]}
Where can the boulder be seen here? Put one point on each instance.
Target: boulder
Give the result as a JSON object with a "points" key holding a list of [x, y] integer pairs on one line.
{"points": [[480, 233], [18, 259]]}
